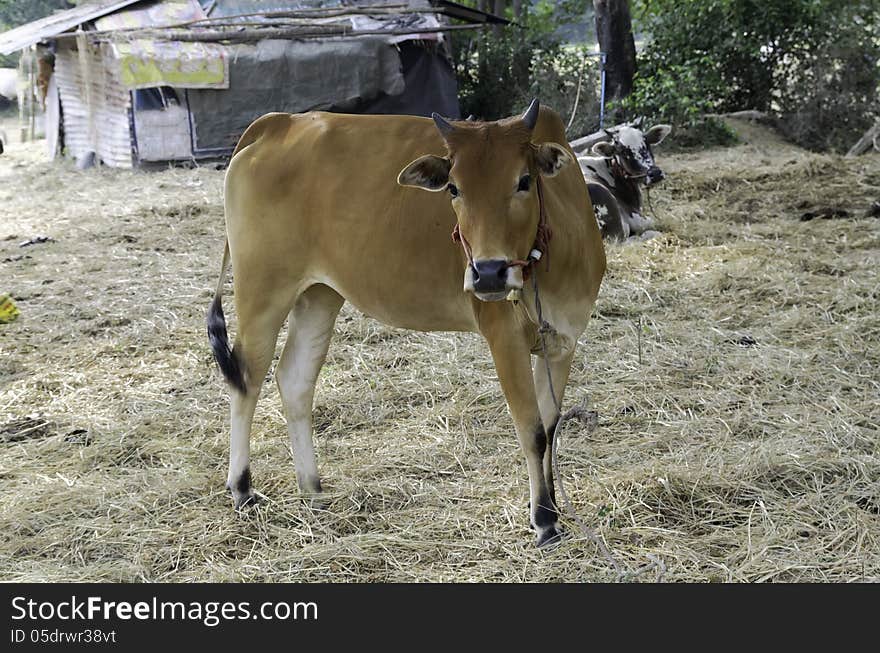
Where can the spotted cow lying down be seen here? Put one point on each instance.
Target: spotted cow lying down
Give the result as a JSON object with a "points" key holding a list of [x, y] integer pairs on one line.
{"points": [[623, 162]]}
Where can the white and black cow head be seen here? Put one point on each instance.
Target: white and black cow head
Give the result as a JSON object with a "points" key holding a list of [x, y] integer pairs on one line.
{"points": [[629, 148]]}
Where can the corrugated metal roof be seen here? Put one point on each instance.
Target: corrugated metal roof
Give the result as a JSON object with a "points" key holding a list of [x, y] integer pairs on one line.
{"points": [[38, 30], [218, 8], [46, 28]]}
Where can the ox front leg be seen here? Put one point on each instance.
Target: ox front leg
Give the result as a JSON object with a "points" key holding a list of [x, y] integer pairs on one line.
{"points": [[559, 370], [638, 223], [510, 352]]}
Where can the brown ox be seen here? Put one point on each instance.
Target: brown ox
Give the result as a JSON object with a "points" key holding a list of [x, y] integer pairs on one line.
{"points": [[324, 208]]}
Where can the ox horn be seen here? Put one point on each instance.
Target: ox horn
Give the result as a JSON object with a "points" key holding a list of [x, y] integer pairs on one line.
{"points": [[443, 125], [530, 117]]}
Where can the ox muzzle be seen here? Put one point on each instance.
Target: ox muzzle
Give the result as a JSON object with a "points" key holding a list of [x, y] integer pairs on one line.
{"points": [[492, 279], [654, 176]]}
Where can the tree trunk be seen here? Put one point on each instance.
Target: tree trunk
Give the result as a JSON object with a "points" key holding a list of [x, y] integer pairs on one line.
{"points": [[614, 33], [498, 9], [518, 10]]}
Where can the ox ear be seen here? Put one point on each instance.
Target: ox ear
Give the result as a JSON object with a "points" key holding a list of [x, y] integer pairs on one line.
{"points": [[604, 148], [428, 172], [551, 158], [657, 133]]}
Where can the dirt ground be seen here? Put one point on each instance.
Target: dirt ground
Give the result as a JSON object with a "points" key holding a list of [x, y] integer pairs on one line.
{"points": [[733, 363]]}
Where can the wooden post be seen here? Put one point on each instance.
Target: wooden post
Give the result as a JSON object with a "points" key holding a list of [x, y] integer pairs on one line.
{"points": [[31, 93], [85, 63], [22, 97]]}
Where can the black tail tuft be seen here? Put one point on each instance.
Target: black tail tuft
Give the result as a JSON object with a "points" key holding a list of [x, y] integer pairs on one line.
{"points": [[226, 358]]}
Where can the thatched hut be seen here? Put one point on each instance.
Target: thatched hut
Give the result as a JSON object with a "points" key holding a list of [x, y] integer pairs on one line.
{"points": [[141, 81]]}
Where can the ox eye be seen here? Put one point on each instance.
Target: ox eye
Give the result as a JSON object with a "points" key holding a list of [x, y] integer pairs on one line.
{"points": [[524, 182], [453, 190]]}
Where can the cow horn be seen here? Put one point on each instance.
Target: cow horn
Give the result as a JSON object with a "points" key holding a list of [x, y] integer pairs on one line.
{"points": [[442, 124], [638, 121], [530, 117]]}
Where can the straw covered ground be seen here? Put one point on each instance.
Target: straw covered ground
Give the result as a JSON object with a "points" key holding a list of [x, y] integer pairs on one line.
{"points": [[733, 364]]}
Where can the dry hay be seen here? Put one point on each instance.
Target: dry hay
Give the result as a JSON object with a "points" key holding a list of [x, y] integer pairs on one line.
{"points": [[733, 364]]}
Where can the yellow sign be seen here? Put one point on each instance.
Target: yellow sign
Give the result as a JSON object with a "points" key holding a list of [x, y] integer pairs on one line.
{"points": [[144, 64]]}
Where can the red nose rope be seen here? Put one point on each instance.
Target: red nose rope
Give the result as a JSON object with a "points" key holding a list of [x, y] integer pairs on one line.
{"points": [[618, 171], [539, 249]]}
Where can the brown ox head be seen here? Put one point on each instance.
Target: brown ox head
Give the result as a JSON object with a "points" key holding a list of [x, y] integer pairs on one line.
{"points": [[490, 174]]}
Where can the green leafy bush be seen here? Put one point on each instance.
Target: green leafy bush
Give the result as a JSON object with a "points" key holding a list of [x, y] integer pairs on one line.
{"points": [[675, 92], [812, 63], [499, 72], [706, 132], [830, 94]]}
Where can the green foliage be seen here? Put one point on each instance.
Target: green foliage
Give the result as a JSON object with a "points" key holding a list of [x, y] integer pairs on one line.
{"points": [[677, 94], [702, 133], [830, 94], [736, 46], [555, 73], [18, 12], [500, 71], [814, 63], [674, 92]]}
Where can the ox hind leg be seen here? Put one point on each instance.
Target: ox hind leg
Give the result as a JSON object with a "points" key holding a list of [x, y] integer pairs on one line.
{"points": [[254, 348], [559, 371], [310, 329]]}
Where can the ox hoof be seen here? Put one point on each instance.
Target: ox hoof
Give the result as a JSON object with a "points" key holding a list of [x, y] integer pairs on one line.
{"points": [[545, 517], [242, 501], [243, 494], [549, 538]]}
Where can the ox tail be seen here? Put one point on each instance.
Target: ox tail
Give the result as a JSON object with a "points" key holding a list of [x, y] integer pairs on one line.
{"points": [[225, 355], [217, 336]]}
